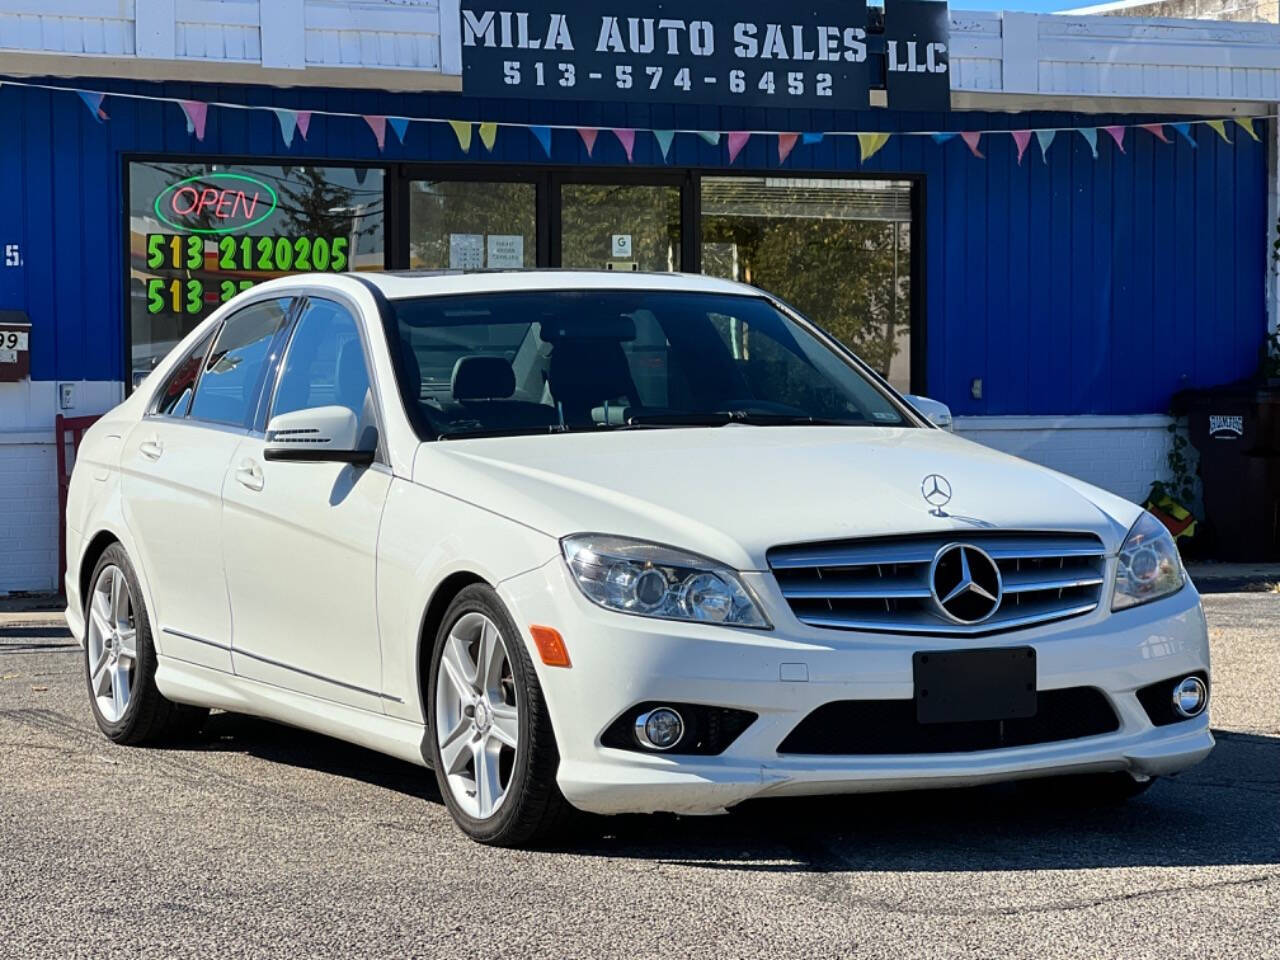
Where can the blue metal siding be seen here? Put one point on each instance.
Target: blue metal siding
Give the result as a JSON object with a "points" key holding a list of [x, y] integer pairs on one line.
{"points": [[1080, 286]]}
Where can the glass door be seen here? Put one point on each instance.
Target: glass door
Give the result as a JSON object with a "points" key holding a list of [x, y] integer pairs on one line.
{"points": [[620, 226], [459, 224]]}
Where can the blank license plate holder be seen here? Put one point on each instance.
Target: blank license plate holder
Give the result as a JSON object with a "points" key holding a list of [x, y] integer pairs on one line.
{"points": [[958, 686]]}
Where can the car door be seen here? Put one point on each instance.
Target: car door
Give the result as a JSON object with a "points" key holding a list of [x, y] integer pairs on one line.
{"points": [[173, 466], [300, 539]]}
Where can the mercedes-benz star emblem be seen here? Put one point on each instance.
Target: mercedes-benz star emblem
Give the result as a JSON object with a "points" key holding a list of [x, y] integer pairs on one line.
{"points": [[965, 583], [936, 491]]}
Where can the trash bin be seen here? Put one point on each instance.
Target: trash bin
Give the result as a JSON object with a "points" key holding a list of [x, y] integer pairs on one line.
{"points": [[1236, 430]]}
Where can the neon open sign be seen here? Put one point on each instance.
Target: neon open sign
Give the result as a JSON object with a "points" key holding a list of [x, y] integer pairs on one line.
{"points": [[216, 203]]}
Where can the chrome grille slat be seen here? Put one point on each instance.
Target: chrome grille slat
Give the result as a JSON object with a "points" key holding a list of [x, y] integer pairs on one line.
{"points": [[882, 584]]}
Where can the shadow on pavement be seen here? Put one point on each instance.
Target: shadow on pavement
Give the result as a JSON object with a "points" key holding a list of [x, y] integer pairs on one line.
{"points": [[1225, 811]]}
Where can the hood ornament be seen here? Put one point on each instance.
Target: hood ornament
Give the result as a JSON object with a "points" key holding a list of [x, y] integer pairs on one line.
{"points": [[936, 491]]}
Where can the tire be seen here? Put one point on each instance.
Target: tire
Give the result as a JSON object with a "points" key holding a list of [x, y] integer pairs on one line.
{"points": [[120, 661], [477, 703], [1088, 790]]}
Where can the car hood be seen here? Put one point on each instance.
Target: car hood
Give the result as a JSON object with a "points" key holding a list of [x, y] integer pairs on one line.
{"points": [[733, 492]]}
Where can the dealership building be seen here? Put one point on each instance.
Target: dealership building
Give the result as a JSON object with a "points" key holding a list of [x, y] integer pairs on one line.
{"points": [[1052, 224]]}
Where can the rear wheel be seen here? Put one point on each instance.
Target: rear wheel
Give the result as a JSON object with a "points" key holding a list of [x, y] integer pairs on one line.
{"points": [[492, 746], [120, 660]]}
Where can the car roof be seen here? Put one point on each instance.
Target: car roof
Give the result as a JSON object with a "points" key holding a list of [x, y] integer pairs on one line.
{"points": [[399, 286]]}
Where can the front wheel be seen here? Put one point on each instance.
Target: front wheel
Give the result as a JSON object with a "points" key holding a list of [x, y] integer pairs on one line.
{"points": [[492, 746]]}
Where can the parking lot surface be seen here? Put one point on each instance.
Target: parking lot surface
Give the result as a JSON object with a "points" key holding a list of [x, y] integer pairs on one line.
{"points": [[260, 841]]}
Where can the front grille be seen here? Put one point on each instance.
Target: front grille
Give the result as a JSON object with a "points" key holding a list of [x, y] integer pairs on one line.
{"points": [[882, 584], [879, 727]]}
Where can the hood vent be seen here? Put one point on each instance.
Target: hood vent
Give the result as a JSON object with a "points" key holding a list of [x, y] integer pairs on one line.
{"points": [[889, 584]]}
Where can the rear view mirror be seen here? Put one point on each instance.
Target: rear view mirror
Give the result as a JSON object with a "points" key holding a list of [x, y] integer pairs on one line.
{"points": [[939, 414], [318, 435]]}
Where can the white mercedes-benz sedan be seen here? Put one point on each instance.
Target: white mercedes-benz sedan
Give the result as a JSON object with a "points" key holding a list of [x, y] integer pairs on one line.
{"points": [[619, 543]]}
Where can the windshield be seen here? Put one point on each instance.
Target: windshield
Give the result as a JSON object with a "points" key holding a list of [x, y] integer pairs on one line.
{"points": [[559, 361]]}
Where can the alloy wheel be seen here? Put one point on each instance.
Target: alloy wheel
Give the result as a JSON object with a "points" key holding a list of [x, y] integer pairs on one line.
{"points": [[112, 644], [477, 718]]}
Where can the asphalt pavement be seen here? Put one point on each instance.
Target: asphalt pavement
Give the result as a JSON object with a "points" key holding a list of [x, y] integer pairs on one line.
{"points": [[260, 841]]}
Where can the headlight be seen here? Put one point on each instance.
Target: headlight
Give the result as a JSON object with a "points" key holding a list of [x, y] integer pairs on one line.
{"points": [[1149, 565], [648, 580]]}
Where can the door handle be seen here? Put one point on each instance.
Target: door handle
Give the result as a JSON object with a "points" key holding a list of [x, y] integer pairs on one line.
{"points": [[250, 475], [151, 449]]}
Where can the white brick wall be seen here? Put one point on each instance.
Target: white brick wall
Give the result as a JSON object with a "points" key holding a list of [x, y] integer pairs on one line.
{"points": [[1124, 455]]}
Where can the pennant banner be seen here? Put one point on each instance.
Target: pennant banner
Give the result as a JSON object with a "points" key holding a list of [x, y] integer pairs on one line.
{"points": [[488, 135], [379, 127], [304, 122], [627, 138], [1045, 138], [972, 140], [711, 138], [809, 139], [400, 125], [93, 101], [1157, 131], [664, 138], [786, 143], [1246, 124], [588, 135], [1184, 130], [541, 134], [197, 113], [462, 131], [1090, 135], [869, 144], [1220, 128], [1116, 134], [1022, 138], [737, 141], [288, 124]]}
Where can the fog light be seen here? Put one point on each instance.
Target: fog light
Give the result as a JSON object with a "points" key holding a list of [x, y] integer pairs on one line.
{"points": [[659, 729], [1190, 697]]}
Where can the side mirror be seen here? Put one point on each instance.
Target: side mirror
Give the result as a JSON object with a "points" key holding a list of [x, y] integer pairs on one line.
{"points": [[318, 435], [939, 414]]}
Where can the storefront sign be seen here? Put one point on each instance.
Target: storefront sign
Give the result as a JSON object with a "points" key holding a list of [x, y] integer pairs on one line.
{"points": [[216, 203], [739, 54], [917, 59]]}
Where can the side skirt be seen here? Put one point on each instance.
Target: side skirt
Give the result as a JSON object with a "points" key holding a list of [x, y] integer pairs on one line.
{"points": [[185, 682]]}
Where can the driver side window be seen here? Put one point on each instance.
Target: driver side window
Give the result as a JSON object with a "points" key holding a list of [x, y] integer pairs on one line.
{"points": [[326, 366]]}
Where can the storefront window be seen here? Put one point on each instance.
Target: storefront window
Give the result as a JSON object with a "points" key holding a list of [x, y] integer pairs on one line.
{"points": [[620, 227], [839, 250], [470, 225], [202, 233]]}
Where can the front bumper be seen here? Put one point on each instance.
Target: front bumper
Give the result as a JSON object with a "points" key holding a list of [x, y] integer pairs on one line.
{"points": [[619, 661]]}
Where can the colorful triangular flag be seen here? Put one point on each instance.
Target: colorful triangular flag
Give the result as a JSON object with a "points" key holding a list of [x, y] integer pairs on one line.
{"points": [[462, 130], [588, 135], [304, 122], [288, 124], [488, 135], [1022, 138], [664, 138], [1157, 131], [378, 124], [400, 125], [809, 139], [543, 136], [1090, 135], [1116, 134], [786, 143], [93, 101], [1045, 139], [943, 137], [1219, 127], [972, 140], [1246, 124], [627, 137], [737, 140], [197, 113], [870, 144], [1184, 131], [710, 136]]}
